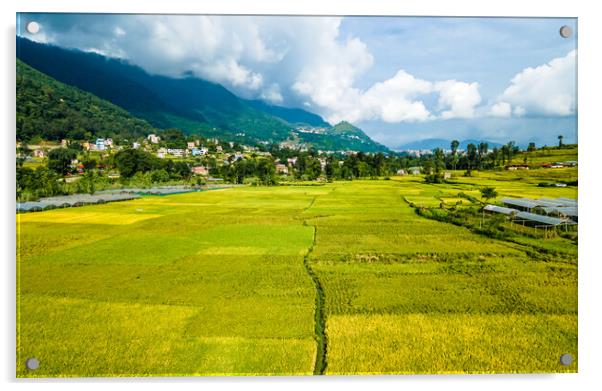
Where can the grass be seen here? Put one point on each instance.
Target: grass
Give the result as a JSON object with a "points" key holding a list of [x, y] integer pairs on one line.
{"points": [[226, 282]]}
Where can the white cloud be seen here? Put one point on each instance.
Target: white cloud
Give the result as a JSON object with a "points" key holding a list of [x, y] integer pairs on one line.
{"points": [[393, 100], [458, 97], [118, 31], [501, 109], [301, 61], [272, 94], [548, 89]]}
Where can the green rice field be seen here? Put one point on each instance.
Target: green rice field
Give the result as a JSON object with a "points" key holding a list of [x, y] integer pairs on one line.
{"points": [[344, 278]]}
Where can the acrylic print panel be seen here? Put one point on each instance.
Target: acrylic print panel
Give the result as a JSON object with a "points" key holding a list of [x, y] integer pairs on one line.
{"points": [[285, 195]]}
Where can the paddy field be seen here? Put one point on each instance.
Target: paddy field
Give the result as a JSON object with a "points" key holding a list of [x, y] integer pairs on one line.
{"points": [[342, 278]]}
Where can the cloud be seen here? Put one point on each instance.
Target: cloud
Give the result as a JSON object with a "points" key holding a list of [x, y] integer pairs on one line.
{"points": [[272, 94], [393, 100], [501, 110], [458, 97], [297, 62], [548, 89]]}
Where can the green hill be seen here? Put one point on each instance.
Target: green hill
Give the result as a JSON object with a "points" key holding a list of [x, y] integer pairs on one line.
{"points": [[188, 103], [52, 110], [343, 136]]}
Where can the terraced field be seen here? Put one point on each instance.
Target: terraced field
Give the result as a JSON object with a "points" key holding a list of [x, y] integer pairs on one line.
{"points": [[334, 279]]}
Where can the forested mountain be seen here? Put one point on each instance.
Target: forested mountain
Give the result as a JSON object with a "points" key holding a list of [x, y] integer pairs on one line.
{"points": [[293, 116], [188, 103], [343, 133], [52, 110]]}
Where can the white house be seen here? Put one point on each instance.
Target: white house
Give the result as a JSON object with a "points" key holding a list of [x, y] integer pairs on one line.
{"points": [[281, 169], [100, 144], [153, 138], [177, 152]]}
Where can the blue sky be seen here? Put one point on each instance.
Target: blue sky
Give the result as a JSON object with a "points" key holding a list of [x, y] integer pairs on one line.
{"points": [[398, 78]]}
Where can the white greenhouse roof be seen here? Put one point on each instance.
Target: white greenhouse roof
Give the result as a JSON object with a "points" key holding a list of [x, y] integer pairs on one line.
{"points": [[546, 220], [500, 209]]}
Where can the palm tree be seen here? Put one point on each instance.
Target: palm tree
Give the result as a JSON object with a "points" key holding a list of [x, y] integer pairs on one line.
{"points": [[454, 149]]}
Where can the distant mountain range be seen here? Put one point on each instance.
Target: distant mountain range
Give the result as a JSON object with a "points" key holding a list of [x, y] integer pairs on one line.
{"points": [[432, 143], [193, 105]]}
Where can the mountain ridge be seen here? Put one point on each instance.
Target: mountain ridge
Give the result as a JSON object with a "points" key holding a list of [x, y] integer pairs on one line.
{"points": [[192, 104]]}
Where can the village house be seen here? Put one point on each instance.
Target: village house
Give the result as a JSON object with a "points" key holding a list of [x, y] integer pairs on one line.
{"points": [[401, 172], [109, 142], [199, 151], [161, 152], [100, 144], [86, 146], [414, 170], [292, 160], [515, 167], [281, 169], [200, 170], [135, 145], [191, 144], [39, 153], [447, 175], [322, 163], [219, 148], [177, 152], [153, 138]]}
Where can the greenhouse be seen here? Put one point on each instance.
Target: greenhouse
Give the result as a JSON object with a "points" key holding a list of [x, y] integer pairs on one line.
{"points": [[71, 201]]}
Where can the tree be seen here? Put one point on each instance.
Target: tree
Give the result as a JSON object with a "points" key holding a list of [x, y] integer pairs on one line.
{"points": [[130, 161], [488, 192], [434, 168], [454, 146], [182, 170], [266, 172], [483, 149], [471, 153], [531, 147], [87, 184], [560, 139], [59, 160], [159, 176], [174, 138], [330, 169]]}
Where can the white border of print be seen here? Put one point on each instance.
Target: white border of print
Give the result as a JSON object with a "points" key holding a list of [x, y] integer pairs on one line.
{"points": [[590, 33]]}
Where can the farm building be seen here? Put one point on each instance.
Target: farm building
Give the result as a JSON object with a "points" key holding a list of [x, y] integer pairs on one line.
{"points": [[499, 209], [521, 204], [539, 213], [540, 221], [560, 211], [527, 204]]}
